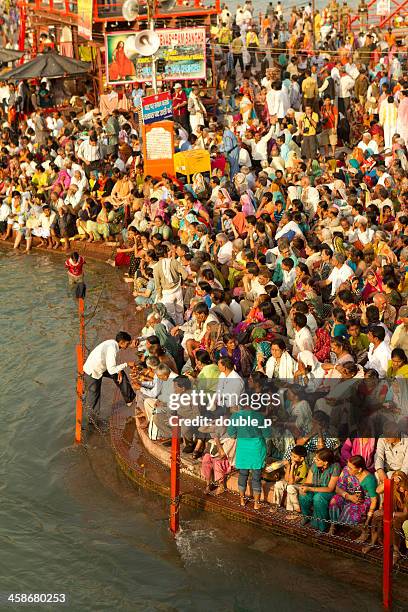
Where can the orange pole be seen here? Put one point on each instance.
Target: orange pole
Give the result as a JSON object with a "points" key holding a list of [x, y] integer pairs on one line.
{"points": [[80, 387], [80, 392], [175, 479], [81, 312], [387, 558]]}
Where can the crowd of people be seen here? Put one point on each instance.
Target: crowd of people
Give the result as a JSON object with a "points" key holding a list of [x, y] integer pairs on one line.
{"points": [[283, 272]]}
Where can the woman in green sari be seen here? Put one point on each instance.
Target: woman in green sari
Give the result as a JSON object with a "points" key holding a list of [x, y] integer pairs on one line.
{"points": [[318, 489]]}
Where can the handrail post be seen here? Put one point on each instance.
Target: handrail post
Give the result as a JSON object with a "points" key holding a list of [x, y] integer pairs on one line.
{"points": [[388, 543], [175, 478]]}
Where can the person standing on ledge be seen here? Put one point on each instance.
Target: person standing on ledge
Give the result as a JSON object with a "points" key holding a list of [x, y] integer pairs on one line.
{"points": [[102, 363]]}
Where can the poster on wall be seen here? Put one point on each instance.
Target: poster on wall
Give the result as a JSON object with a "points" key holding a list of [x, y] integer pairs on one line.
{"points": [[383, 8], [85, 19], [182, 50]]}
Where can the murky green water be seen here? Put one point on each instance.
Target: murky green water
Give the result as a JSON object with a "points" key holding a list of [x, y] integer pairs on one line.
{"points": [[70, 522]]}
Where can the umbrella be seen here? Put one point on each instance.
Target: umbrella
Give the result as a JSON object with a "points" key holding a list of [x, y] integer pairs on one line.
{"points": [[9, 55], [49, 65]]}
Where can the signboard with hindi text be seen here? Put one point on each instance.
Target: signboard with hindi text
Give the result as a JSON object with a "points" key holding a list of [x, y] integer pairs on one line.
{"points": [[85, 18], [157, 108], [183, 52], [158, 148]]}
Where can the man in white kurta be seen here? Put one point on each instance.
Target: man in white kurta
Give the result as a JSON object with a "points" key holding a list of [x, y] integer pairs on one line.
{"points": [[388, 120]]}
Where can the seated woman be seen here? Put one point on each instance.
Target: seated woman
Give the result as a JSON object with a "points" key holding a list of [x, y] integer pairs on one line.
{"points": [[400, 514], [89, 212], [155, 349], [240, 355], [280, 364], [145, 295], [298, 412], [356, 497], [318, 489], [398, 364], [105, 225], [359, 446]]}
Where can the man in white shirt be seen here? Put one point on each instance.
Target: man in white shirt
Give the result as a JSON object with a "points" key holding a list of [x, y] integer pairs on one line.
{"points": [[90, 152], [224, 253], [259, 145], [303, 338], [379, 352], [102, 363], [340, 273], [365, 139], [391, 454], [346, 87], [229, 388]]}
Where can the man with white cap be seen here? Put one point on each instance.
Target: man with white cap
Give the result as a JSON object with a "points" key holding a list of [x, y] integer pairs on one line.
{"points": [[179, 100]]}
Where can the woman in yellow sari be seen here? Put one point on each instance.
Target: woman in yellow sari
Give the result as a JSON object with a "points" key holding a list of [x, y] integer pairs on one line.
{"points": [[382, 250]]}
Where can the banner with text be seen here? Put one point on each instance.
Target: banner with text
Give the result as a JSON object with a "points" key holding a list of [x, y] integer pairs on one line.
{"points": [[85, 19], [157, 108], [183, 52]]}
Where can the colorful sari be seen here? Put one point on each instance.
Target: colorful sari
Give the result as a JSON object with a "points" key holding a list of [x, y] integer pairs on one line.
{"points": [[350, 513]]}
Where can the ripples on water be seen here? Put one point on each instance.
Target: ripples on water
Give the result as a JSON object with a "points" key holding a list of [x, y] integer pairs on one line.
{"points": [[69, 520]]}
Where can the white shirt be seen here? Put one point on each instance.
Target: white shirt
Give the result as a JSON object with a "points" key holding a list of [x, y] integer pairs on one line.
{"points": [[278, 102], [288, 227], [378, 358], [224, 254], [303, 341], [346, 86], [5, 211], [338, 276], [229, 390], [259, 149], [89, 152], [103, 359], [373, 146]]}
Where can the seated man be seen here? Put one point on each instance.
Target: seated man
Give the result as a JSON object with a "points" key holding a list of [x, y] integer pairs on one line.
{"points": [[43, 231], [157, 397], [295, 473], [196, 329], [391, 454]]}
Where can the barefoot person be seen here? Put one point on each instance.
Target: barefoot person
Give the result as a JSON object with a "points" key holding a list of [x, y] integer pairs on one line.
{"points": [[102, 363]]}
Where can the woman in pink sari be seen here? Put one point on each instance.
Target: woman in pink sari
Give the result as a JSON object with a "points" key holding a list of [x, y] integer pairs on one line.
{"points": [[365, 447]]}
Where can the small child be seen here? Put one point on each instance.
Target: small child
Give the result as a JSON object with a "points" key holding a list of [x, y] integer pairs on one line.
{"points": [[74, 265], [295, 473]]}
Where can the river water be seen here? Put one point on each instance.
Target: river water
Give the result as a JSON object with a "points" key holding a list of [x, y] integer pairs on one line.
{"points": [[69, 520]]}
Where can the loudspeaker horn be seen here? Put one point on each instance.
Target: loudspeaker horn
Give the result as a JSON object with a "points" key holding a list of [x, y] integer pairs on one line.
{"points": [[147, 42], [130, 49], [130, 10]]}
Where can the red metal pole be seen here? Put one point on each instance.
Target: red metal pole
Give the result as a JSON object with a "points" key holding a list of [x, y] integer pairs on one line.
{"points": [[175, 478], [387, 529], [80, 388], [22, 35]]}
